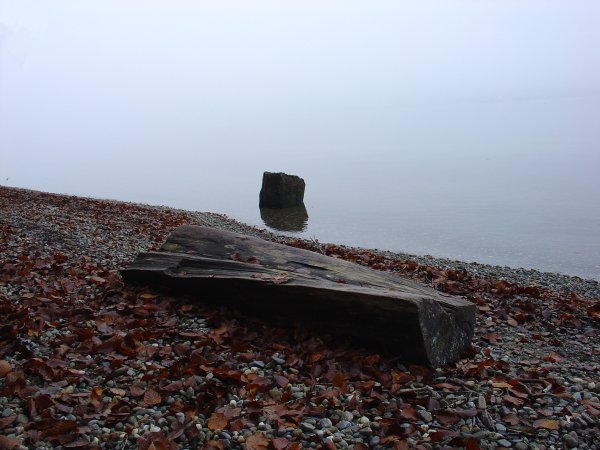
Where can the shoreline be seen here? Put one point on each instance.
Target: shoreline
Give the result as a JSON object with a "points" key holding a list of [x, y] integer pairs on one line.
{"points": [[554, 281], [128, 367]]}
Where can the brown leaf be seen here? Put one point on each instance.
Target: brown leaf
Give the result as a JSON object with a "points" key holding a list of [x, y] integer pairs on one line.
{"points": [[511, 418], [7, 443], [5, 367], [471, 444], [548, 424], [118, 391], [281, 380], [257, 442], [513, 400], [360, 446], [79, 443], [280, 443], [409, 413], [512, 322], [136, 391], [213, 445], [217, 421], [446, 417], [553, 357], [6, 421], [61, 427], [339, 380], [151, 397]]}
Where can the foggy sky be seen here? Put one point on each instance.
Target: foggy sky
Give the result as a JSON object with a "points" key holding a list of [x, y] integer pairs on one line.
{"points": [[102, 75], [90, 82]]}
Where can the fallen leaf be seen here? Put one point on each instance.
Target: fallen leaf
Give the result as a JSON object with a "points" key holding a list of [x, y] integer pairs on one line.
{"points": [[7, 443], [257, 442], [6, 421], [5, 367], [339, 380], [512, 322], [548, 424], [151, 397], [511, 418], [409, 413], [217, 421], [280, 443], [118, 391], [136, 391]]}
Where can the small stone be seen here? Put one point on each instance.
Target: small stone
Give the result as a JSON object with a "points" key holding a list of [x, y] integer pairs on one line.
{"points": [[500, 428], [425, 415], [504, 443], [571, 439], [347, 415], [307, 426], [343, 424], [577, 396], [521, 446], [325, 423], [364, 420], [481, 403], [7, 412], [154, 429]]}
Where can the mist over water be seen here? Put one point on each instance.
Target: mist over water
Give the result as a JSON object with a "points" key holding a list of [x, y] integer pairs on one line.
{"points": [[457, 129]]}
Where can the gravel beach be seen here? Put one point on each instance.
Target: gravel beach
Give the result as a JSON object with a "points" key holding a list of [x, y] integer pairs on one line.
{"points": [[87, 362]]}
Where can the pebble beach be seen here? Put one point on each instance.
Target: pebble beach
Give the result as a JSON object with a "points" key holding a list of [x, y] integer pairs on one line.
{"points": [[88, 362]]}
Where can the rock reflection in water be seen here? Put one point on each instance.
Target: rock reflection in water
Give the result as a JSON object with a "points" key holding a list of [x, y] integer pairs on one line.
{"points": [[285, 219]]}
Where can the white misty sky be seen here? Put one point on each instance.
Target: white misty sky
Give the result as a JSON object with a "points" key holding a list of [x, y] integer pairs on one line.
{"points": [[86, 77]]}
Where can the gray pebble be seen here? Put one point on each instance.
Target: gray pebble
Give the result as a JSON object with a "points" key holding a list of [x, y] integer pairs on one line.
{"points": [[307, 426], [343, 424], [325, 423], [571, 439], [425, 415]]}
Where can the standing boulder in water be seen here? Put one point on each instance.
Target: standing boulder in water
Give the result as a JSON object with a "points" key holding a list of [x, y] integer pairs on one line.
{"points": [[280, 190]]}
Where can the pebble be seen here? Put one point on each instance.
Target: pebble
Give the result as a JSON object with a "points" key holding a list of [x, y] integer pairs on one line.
{"points": [[343, 424], [504, 443], [571, 439], [325, 423], [521, 446], [425, 415]]}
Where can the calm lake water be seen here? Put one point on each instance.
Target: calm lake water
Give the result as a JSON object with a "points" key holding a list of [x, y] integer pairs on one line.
{"points": [[186, 107]]}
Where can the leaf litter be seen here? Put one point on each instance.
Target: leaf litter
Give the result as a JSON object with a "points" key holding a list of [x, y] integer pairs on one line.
{"points": [[87, 362]]}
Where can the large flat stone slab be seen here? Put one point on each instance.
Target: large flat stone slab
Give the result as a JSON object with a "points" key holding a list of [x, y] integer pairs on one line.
{"points": [[382, 310]]}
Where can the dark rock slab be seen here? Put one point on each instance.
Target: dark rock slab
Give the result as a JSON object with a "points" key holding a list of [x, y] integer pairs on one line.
{"points": [[280, 190], [277, 282]]}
